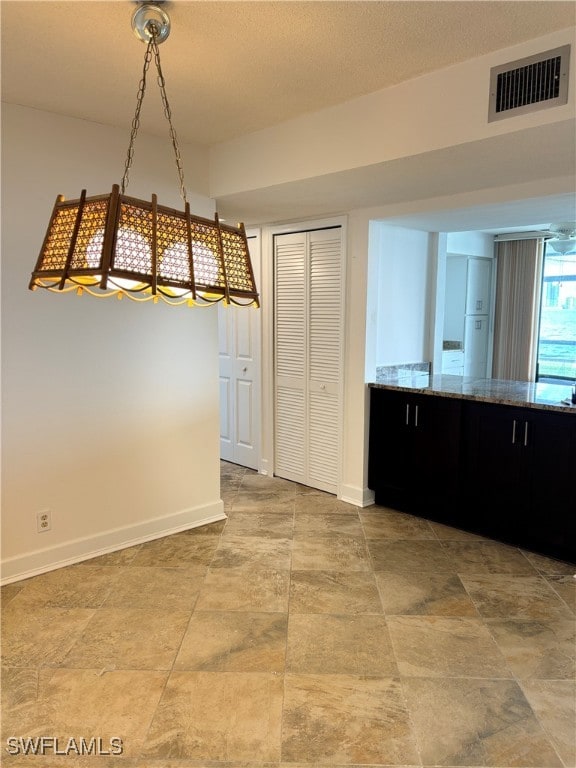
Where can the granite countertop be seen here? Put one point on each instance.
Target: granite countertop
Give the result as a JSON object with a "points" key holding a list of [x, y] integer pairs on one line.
{"points": [[520, 393]]}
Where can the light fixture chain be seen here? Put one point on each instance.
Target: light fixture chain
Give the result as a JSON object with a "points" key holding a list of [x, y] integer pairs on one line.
{"points": [[152, 48], [168, 114], [136, 118]]}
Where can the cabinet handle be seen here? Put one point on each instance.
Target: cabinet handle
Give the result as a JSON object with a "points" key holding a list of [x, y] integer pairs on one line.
{"points": [[525, 433], [513, 431], [479, 304], [407, 414], [416, 417]]}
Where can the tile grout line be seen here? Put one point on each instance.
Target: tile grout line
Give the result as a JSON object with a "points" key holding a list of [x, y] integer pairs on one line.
{"points": [[171, 670], [285, 672]]}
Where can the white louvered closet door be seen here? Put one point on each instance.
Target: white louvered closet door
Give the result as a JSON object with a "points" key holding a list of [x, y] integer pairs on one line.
{"points": [[308, 356]]}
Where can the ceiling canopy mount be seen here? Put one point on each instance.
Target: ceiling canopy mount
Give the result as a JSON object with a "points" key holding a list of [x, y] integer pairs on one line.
{"points": [[149, 20]]}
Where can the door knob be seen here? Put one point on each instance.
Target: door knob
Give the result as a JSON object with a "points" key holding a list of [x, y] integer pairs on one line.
{"points": [[244, 369]]}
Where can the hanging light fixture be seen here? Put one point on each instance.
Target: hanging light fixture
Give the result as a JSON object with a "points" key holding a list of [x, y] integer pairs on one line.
{"points": [[564, 239], [118, 245], [563, 246]]}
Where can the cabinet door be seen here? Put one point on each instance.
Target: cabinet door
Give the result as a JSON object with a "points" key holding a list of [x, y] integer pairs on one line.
{"points": [[435, 446], [551, 473], [495, 494], [476, 346], [455, 297], [390, 445], [478, 286]]}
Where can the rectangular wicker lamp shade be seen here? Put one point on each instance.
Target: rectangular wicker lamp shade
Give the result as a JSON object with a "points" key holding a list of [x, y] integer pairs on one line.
{"points": [[118, 245]]}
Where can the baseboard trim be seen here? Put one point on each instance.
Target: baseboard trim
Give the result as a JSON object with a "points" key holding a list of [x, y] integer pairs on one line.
{"points": [[78, 550], [353, 494]]}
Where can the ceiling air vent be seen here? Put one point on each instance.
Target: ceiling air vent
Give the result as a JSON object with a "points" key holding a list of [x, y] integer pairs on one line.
{"points": [[536, 82]]}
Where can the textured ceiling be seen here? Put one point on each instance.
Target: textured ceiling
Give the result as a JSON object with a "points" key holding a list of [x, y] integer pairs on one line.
{"points": [[235, 67]]}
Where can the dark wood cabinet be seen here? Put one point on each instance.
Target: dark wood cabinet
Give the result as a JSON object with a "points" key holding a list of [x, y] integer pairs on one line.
{"points": [[505, 472], [519, 476], [414, 450]]}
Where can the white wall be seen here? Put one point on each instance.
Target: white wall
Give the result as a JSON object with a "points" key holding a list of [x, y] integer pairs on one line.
{"points": [[354, 485], [470, 244], [445, 108], [403, 283], [109, 408]]}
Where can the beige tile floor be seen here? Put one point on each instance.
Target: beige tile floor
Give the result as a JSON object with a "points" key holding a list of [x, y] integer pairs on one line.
{"points": [[301, 631]]}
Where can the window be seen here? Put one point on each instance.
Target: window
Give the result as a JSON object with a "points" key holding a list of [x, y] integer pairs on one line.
{"points": [[556, 357]]}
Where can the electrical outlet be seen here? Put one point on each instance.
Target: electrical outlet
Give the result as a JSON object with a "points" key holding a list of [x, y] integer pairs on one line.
{"points": [[43, 521]]}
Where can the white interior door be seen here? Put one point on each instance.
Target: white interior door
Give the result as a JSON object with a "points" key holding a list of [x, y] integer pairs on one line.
{"points": [[239, 348], [308, 356]]}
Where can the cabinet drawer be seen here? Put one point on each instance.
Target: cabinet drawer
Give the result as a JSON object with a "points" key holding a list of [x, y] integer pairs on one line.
{"points": [[453, 357], [453, 362]]}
